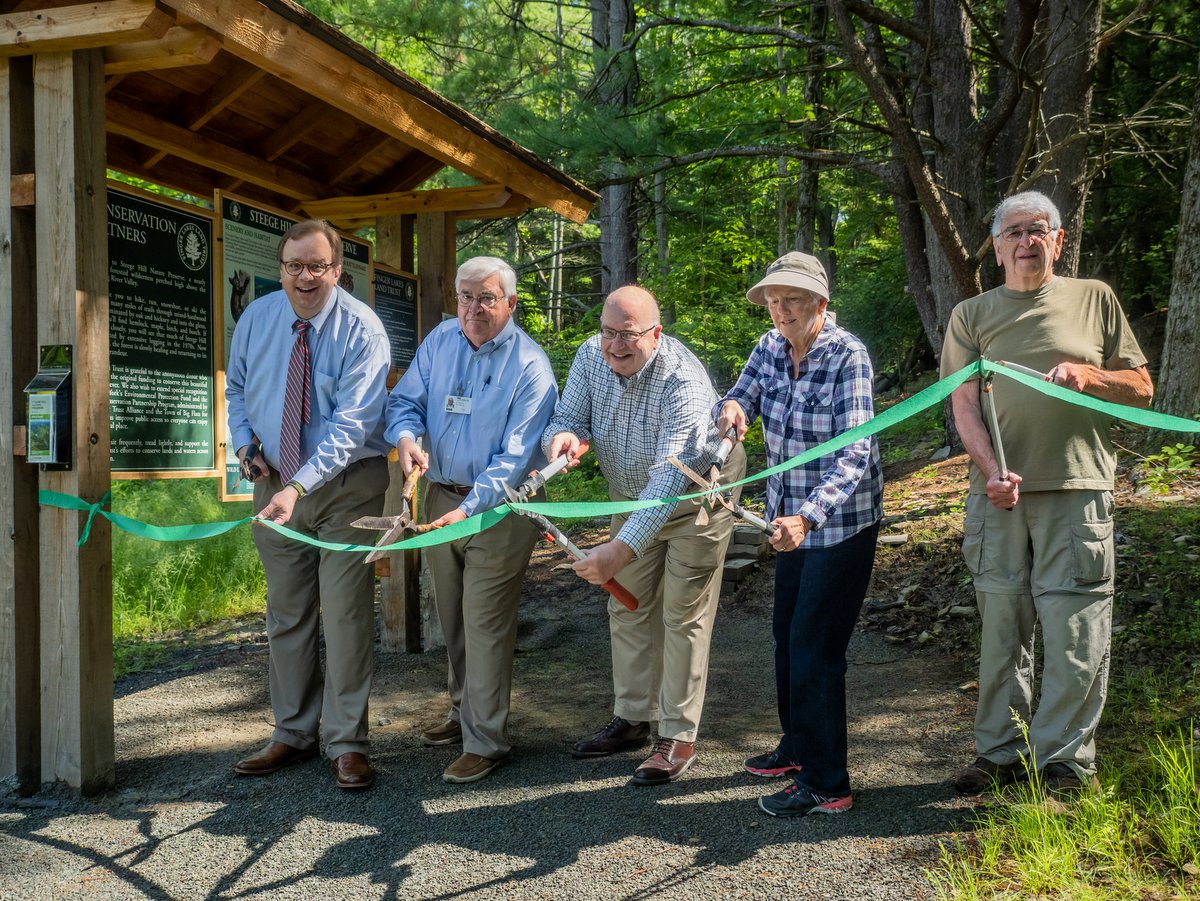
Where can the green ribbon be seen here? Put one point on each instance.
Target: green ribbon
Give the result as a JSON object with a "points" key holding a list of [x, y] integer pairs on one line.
{"points": [[473, 525], [1150, 419]]}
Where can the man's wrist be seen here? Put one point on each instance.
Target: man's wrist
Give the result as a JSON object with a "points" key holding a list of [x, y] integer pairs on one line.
{"points": [[300, 492]]}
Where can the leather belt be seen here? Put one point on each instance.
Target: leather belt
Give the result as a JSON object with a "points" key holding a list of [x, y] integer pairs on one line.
{"points": [[460, 490]]}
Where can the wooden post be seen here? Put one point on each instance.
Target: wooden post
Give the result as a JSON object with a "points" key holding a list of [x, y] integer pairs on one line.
{"points": [[400, 589], [72, 306], [436, 266], [20, 693]]}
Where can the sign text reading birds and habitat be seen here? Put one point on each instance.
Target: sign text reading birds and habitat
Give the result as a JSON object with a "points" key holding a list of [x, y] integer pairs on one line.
{"points": [[160, 327]]}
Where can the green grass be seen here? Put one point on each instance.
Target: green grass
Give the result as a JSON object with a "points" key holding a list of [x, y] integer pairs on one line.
{"points": [[1139, 839], [163, 588]]}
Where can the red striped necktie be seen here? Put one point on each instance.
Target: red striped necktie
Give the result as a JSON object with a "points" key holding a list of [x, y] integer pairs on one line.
{"points": [[297, 407]]}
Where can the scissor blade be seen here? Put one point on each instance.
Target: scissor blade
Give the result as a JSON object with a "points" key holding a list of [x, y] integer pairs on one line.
{"points": [[690, 473], [375, 522], [389, 537]]}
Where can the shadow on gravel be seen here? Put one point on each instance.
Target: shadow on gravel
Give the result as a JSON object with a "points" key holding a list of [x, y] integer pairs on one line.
{"points": [[524, 825], [180, 825]]}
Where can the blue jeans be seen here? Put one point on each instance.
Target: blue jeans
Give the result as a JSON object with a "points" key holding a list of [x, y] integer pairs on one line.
{"points": [[818, 593]]}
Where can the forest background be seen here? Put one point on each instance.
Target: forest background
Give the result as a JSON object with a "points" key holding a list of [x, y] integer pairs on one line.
{"points": [[879, 136]]}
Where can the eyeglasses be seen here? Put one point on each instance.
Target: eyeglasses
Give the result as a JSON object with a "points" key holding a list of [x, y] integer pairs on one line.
{"points": [[487, 301], [790, 303], [295, 267], [1035, 232], [626, 335]]}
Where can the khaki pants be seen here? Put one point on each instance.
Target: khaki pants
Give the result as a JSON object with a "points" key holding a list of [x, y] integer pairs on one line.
{"points": [[477, 587], [1049, 560], [309, 587], [660, 651]]}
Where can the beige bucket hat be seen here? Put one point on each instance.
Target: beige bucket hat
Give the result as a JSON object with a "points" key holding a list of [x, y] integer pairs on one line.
{"points": [[795, 270]]}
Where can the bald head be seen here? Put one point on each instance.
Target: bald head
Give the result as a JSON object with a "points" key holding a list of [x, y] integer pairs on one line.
{"points": [[631, 313], [633, 301]]}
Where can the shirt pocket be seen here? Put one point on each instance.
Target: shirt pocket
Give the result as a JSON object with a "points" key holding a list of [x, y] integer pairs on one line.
{"points": [[324, 389], [812, 413]]}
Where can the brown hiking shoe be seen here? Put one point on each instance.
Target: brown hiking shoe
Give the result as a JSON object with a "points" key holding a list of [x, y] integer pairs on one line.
{"points": [[618, 735], [985, 774]]}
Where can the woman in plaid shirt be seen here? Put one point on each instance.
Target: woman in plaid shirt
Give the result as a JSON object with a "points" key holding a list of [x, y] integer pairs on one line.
{"points": [[811, 381]]}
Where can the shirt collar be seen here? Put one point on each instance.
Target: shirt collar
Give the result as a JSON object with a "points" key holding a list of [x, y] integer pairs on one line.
{"points": [[642, 373], [505, 335], [824, 336], [321, 318]]}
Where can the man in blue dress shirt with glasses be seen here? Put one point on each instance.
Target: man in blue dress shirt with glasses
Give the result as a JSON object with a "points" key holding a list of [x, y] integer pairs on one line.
{"points": [[305, 391]]}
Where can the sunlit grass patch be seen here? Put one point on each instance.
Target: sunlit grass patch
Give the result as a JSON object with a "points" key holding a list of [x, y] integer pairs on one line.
{"points": [[165, 587], [1136, 839]]}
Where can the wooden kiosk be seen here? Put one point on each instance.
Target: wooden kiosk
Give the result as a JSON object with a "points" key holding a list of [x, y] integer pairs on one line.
{"points": [[256, 97]]}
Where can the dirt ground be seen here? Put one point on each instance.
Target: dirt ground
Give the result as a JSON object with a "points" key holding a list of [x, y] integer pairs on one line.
{"points": [[181, 825]]}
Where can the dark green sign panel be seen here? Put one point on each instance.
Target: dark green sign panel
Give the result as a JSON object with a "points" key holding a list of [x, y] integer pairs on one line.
{"points": [[160, 326], [396, 306]]}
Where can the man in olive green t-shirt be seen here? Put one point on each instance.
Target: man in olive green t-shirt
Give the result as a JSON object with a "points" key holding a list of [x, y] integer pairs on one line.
{"points": [[1039, 539]]}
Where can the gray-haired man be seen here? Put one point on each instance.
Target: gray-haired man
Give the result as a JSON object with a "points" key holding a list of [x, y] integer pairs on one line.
{"points": [[1038, 538]]}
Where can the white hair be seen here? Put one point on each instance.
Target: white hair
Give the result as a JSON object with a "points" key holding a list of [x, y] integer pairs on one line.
{"points": [[1029, 202], [479, 268]]}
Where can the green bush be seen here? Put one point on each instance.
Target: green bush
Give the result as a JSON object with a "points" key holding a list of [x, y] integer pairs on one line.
{"points": [[163, 587]]}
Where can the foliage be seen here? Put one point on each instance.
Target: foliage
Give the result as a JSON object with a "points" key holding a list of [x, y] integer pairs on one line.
{"points": [[163, 587], [1174, 464], [1134, 839]]}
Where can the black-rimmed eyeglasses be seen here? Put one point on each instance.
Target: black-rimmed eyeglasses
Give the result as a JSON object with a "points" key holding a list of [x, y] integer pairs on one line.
{"points": [[295, 267]]}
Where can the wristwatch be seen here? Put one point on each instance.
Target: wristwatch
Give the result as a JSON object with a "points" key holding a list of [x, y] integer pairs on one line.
{"points": [[299, 488]]}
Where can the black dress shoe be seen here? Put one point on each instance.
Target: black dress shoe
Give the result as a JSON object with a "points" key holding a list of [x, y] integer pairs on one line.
{"points": [[353, 771], [275, 756], [670, 760], [618, 735]]}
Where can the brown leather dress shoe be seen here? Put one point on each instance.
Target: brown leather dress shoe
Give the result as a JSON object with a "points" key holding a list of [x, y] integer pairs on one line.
{"points": [[275, 756], [618, 735], [353, 771], [670, 760], [447, 733]]}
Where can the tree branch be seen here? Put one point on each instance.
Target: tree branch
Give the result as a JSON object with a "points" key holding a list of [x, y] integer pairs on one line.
{"points": [[909, 148], [823, 157]]}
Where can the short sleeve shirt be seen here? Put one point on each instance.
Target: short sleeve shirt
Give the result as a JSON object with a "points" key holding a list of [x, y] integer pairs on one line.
{"points": [[1051, 444]]}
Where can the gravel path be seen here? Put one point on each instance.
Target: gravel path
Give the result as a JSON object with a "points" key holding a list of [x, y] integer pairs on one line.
{"points": [[180, 825]]}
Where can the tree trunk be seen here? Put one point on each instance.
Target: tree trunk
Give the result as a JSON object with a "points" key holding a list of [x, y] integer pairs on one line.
{"points": [[811, 132], [1072, 38], [615, 87], [1178, 387]]}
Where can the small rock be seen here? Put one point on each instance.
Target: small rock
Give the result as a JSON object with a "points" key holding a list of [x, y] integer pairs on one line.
{"points": [[923, 637], [959, 610], [383, 721], [942, 453]]}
